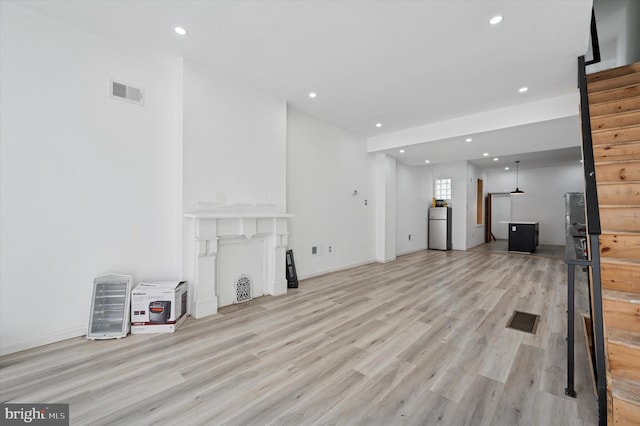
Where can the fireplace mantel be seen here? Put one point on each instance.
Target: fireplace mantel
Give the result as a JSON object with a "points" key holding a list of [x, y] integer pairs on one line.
{"points": [[254, 242]]}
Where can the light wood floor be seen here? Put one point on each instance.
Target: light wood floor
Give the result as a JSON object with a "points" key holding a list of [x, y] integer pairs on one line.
{"points": [[419, 341], [502, 246]]}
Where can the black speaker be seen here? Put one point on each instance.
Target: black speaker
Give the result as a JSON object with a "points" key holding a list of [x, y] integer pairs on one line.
{"points": [[292, 276]]}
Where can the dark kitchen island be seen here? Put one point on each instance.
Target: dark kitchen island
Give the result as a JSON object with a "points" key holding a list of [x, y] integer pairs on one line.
{"points": [[523, 236]]}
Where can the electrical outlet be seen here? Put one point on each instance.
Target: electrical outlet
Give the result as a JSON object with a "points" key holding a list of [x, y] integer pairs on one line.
{"points": [[329, 249], [409, 237], [366, 203], [314, 251]]}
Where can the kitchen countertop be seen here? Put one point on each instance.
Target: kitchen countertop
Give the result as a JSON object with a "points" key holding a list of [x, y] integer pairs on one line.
{"points": [[519, 222]]}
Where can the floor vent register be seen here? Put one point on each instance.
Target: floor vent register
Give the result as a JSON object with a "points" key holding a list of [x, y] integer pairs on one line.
{"points": [[524, 321]]}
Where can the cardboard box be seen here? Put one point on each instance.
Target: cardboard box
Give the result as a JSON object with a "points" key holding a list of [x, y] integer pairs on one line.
{"points": [[158, 307]]}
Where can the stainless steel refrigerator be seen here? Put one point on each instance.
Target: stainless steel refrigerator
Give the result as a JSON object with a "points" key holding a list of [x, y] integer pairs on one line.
{"points": [[440, 228]]}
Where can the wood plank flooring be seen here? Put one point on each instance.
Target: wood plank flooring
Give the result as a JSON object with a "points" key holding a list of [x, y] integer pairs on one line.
{"points": [[502, 246], [419, 341]]}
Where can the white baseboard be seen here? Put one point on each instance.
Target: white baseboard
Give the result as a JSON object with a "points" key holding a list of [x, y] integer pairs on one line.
{"points": [[340, 268], [391, 259], [476, 245], [411, 251], [43, 340], [205, 308]]}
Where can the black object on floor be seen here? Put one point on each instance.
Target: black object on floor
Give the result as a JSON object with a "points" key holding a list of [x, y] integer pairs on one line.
{"points": [[292, 276], [524, 321]]}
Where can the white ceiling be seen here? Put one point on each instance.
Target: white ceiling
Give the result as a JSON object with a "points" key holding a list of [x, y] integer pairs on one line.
{"points": [[401, 63], [531, 143], [531, 160]]}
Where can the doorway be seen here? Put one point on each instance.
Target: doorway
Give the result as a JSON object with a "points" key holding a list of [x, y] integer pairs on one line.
{"points": [[500, 212]]}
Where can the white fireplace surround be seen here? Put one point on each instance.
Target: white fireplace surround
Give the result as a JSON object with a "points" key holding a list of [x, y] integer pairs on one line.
{"points": [[253, 244]]}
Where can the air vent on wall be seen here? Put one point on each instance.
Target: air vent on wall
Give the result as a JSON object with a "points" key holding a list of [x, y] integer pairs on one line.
{"points": [[126, 92], [244, 283]]}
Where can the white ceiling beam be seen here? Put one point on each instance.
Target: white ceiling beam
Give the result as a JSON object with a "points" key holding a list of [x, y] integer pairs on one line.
{"points": [[528, 113]]}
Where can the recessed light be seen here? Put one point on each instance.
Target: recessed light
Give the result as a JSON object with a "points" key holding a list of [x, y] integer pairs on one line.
{"points": [[495, 20], [468, 140], [506, 168], [496, 159], [402, 151], [486, 154], [378, 124], [180, 31], [312, 95], [427, 161], [523, 89]]}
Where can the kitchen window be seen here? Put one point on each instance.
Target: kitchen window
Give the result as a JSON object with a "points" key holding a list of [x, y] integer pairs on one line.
{"points": [[442, 189]]}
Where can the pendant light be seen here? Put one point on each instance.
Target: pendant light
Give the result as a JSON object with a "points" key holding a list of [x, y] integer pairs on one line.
{"points": [[517, 191]]}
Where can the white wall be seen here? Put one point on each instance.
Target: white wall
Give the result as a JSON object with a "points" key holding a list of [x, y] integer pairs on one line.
{"points": [[623, 22], [325, 165], [89, 184], [543, 200], [234, 143], [633, 31], [457, 171], [413, 198], [475, 232], [385, 191]]}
